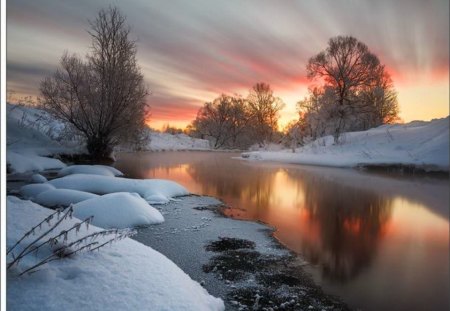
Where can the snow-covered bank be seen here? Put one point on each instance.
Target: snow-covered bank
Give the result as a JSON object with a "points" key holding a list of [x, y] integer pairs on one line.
{"points": [[114, 202], [420, 144], [124, 276], [32, 135], [165, 142]]}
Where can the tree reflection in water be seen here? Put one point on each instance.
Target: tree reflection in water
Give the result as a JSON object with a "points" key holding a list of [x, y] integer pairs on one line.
{"points": [[348, 222], [365, 232]]}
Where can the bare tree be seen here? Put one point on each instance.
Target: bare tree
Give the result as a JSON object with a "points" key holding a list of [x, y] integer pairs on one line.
{"points": [[222, 121], [358, 80], [264, 110], [102, 98]]}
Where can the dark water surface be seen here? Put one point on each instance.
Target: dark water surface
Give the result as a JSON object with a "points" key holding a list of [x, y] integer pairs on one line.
{"points": [[380, 242]]}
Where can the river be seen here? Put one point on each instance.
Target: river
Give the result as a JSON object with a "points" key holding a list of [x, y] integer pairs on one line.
{"points": [[378, 241]]}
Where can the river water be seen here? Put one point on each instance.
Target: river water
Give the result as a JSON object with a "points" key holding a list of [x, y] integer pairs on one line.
{"points": [[378, 241]]}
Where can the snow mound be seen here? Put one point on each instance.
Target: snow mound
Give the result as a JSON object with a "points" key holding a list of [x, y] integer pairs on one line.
{"points": [[154, 191], [118, 210], [420, 144], [38, 179], [90, 170], [21, 163], [62, 197], [124, 276], [33, 190]]}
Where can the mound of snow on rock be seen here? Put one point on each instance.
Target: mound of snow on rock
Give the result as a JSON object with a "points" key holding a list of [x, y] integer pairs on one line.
{"points": [[37, 179], [421, 144], [61, 197], [124, 276], [154, 191], [118, 210], [33, 190], [90, 170]]}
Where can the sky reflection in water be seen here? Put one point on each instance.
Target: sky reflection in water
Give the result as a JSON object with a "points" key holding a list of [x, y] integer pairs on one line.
{"points": [[379, 242]]}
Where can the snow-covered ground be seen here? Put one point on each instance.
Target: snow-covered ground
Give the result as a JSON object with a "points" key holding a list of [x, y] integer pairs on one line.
{"points": [[32, 134], [165, 142], [124, 276], [421, 144]]}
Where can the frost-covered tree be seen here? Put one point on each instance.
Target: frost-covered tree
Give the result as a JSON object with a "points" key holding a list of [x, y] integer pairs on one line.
{"points": [[354, 90], [264, 110], [103, 97], [223, 121]]}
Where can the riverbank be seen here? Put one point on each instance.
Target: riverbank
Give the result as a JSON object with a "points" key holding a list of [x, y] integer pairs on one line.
{"points": [[238, 261], [415, 147]]}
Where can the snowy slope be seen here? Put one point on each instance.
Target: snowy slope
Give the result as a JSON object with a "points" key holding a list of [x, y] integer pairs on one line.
{"points": [[164, 141], [124, 276], [419, 143], [32, 132]]}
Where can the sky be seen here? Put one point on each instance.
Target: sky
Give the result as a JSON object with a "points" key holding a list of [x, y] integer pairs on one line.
{"points": [[190, 52]]}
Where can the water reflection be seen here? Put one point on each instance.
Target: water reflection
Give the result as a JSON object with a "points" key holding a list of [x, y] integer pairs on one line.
{"points": [[332, 225], [363, 232]]}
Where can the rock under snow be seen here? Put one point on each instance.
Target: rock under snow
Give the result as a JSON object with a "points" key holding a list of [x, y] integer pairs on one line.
{"points": [[33, 190], [154, 191], [118, 210], [38, 179], [62, 197], [90, 170]]}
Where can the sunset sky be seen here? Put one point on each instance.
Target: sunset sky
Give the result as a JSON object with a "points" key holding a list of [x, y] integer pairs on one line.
{"points": [[191, 51]]}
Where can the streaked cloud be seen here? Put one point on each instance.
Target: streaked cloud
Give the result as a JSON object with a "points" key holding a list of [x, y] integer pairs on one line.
{"points": [[191, 51]]}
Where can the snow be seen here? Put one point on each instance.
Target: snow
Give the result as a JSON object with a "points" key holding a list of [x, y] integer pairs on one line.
{"points": [[90, 169], [20, 163], [154, 191], [61, 197], [421, 144], [165, 141], [32, 134], [33, 190], [124, 276], [38, 179], [33, 131], [118, 210]]}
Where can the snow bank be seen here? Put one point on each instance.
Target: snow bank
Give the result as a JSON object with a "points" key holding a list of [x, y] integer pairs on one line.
{"points": [[124, 276], [61, 197], [118, 210], [154, 191], [33, 190], [20, 163], [165, 141], [33, 131], [421, 144], [90, 169]]}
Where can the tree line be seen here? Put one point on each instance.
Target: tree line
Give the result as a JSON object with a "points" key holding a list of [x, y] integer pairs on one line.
{"points": [[350, 91], [237, 122], [103, 98]]}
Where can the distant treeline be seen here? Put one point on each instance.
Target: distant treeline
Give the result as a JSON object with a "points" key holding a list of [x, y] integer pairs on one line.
{"points": [[350, 90]]}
